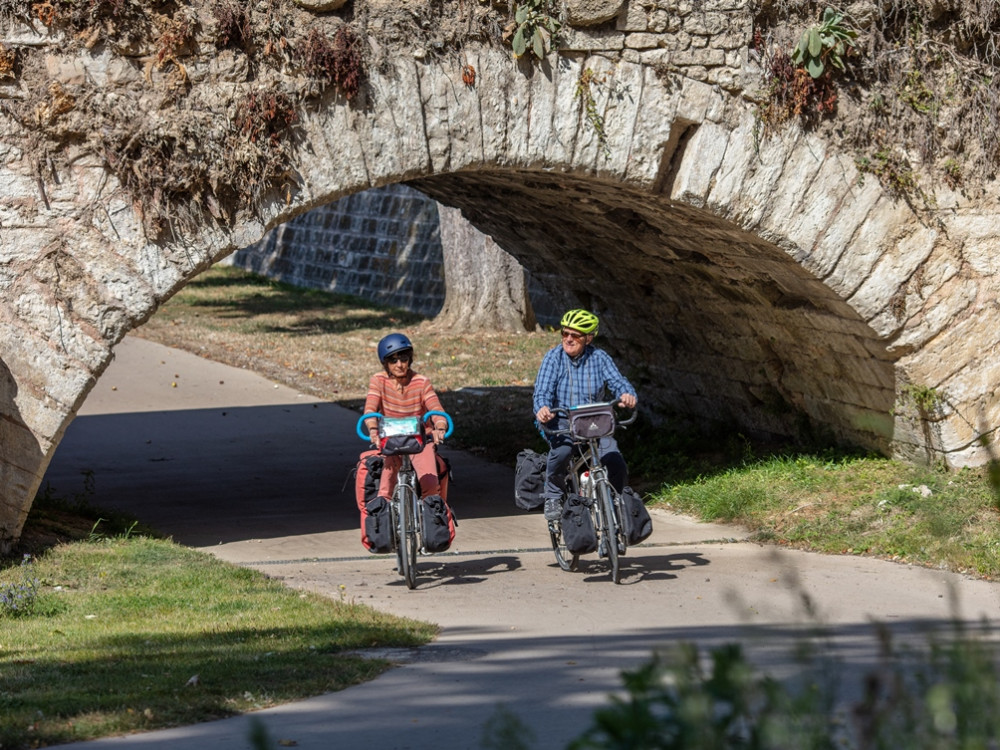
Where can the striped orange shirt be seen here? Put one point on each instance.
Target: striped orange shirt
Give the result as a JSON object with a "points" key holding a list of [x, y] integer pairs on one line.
{"points": [[416, 399]]}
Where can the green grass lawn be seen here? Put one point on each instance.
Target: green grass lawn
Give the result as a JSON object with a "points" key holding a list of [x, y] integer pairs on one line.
{"points": [[134, 633]]}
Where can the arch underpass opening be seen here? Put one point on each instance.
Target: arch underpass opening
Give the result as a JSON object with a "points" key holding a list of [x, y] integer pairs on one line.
{"points": [[713, 323]]}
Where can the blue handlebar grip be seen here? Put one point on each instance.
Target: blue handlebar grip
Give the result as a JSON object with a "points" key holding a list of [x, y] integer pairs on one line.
{"points": [[361, 420], [451, 425]]}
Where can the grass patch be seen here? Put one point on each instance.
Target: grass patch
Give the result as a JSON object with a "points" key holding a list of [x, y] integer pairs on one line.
{"points": [[133, 634], [855, 505]]}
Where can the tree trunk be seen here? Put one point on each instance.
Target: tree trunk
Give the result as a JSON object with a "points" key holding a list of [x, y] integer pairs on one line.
{"points": [[485, 287]]}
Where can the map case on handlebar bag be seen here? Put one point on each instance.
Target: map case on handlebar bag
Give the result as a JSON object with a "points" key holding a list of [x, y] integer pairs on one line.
{"points": [[591, 421], [399, 435]]}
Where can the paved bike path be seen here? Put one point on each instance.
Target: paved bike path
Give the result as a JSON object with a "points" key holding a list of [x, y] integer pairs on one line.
{"points": [[255, 473]]}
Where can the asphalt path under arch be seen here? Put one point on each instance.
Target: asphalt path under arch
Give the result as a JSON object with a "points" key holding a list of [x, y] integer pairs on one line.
{"points": [[259, 475]]}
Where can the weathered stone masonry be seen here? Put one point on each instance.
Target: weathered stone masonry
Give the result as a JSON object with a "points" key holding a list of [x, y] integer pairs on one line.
{"points": [[765, 285]]}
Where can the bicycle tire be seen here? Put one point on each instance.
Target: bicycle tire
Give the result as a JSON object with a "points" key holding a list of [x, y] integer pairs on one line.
{"points": [[407, 535], [609, 529], [397, 537], [566, 559]]}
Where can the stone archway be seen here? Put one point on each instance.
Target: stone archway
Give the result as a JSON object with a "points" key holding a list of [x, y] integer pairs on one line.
{"points": [[755, 281]]}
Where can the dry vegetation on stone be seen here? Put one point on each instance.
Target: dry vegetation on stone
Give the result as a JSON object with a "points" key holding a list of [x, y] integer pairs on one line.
{"points": [[918, 101]]}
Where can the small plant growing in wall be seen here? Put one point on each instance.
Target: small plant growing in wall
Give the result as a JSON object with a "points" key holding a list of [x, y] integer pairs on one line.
{"points": [[825, 44], [595, 119], [534, 28], [799, 85], [927, 399]]}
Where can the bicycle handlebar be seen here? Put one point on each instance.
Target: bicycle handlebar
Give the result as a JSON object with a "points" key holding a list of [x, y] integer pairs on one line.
{"points": [[378, 415], [565, 412]]}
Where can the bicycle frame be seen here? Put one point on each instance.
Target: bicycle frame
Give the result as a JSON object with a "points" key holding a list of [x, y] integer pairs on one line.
{"points": [[606, 505]]}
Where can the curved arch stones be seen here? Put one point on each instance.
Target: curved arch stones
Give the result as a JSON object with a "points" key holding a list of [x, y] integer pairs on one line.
{"points": [[765, 285]]}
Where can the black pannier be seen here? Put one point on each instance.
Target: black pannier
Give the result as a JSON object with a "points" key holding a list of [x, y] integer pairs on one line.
{"points": [[529, 480], [578, 525]]}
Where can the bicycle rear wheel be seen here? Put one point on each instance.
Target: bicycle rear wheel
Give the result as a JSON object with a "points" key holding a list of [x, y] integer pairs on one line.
{"points": [[566, 559], [609, 529], [407, 550]]}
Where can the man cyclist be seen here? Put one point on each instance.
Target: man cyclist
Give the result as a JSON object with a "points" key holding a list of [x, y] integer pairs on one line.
{"points": [[573, 374]]}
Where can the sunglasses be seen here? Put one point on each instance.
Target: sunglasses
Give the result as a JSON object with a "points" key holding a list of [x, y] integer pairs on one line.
{"points": [[394, 358], [575, 335]]}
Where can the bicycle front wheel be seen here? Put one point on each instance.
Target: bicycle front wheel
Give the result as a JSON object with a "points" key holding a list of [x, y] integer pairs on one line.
{"points": [[566, 559], [609, 529], [407, 552]]}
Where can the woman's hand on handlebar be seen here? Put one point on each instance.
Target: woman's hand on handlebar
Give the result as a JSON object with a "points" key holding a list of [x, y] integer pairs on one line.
{"points": [[437, 434]]}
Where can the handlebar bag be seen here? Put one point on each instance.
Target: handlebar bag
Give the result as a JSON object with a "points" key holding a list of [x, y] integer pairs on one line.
{"points": [[399, 435], [586, 422], [578, 525]]}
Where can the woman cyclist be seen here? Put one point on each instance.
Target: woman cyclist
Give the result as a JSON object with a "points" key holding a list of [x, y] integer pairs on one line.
{"points": [[398, 391]]}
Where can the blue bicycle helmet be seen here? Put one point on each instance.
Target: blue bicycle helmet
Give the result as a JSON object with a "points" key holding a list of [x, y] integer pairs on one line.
{"points": [[392, 344]]}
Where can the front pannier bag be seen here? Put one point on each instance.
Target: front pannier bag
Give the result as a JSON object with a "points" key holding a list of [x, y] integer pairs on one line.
{"points": [[638, 524], [376, 526], [578, 525], [437, 524]]}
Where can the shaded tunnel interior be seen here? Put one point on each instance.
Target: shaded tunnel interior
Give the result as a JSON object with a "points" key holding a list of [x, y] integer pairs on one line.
{"points": [[713, 324]]}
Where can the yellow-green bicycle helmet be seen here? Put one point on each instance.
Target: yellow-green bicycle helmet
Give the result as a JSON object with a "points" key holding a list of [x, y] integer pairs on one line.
{"points": [[583, 321]]}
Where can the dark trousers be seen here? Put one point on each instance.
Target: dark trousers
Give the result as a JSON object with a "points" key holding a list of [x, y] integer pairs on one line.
{"points": [[560, 453]]}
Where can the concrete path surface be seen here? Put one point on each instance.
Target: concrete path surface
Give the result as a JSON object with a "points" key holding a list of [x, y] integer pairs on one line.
{"points": [[255, 473]]}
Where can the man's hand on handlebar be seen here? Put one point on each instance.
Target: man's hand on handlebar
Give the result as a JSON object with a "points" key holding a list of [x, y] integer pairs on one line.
{"points": [[543, 415], [627, 401]]}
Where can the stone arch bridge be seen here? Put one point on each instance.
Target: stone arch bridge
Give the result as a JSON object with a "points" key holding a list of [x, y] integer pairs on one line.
{"points": [[758, 282]]}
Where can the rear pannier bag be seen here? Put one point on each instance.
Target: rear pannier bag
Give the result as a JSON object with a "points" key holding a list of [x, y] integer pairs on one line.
{"points": [[638, 524], [437, 523], [578, 525], [529, 480], [376, 526], [367, 474], [366, 478]]}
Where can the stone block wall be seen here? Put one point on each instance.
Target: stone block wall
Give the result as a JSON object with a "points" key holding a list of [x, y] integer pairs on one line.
{"points": [[705, 41], [382, 245]]}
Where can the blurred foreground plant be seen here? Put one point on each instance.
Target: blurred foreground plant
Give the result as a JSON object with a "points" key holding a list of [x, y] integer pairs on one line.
{"points": [[944, 697]]}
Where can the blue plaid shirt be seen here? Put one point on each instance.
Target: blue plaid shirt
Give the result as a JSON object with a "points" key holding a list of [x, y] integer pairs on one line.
{"points": [[563, 382]]}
